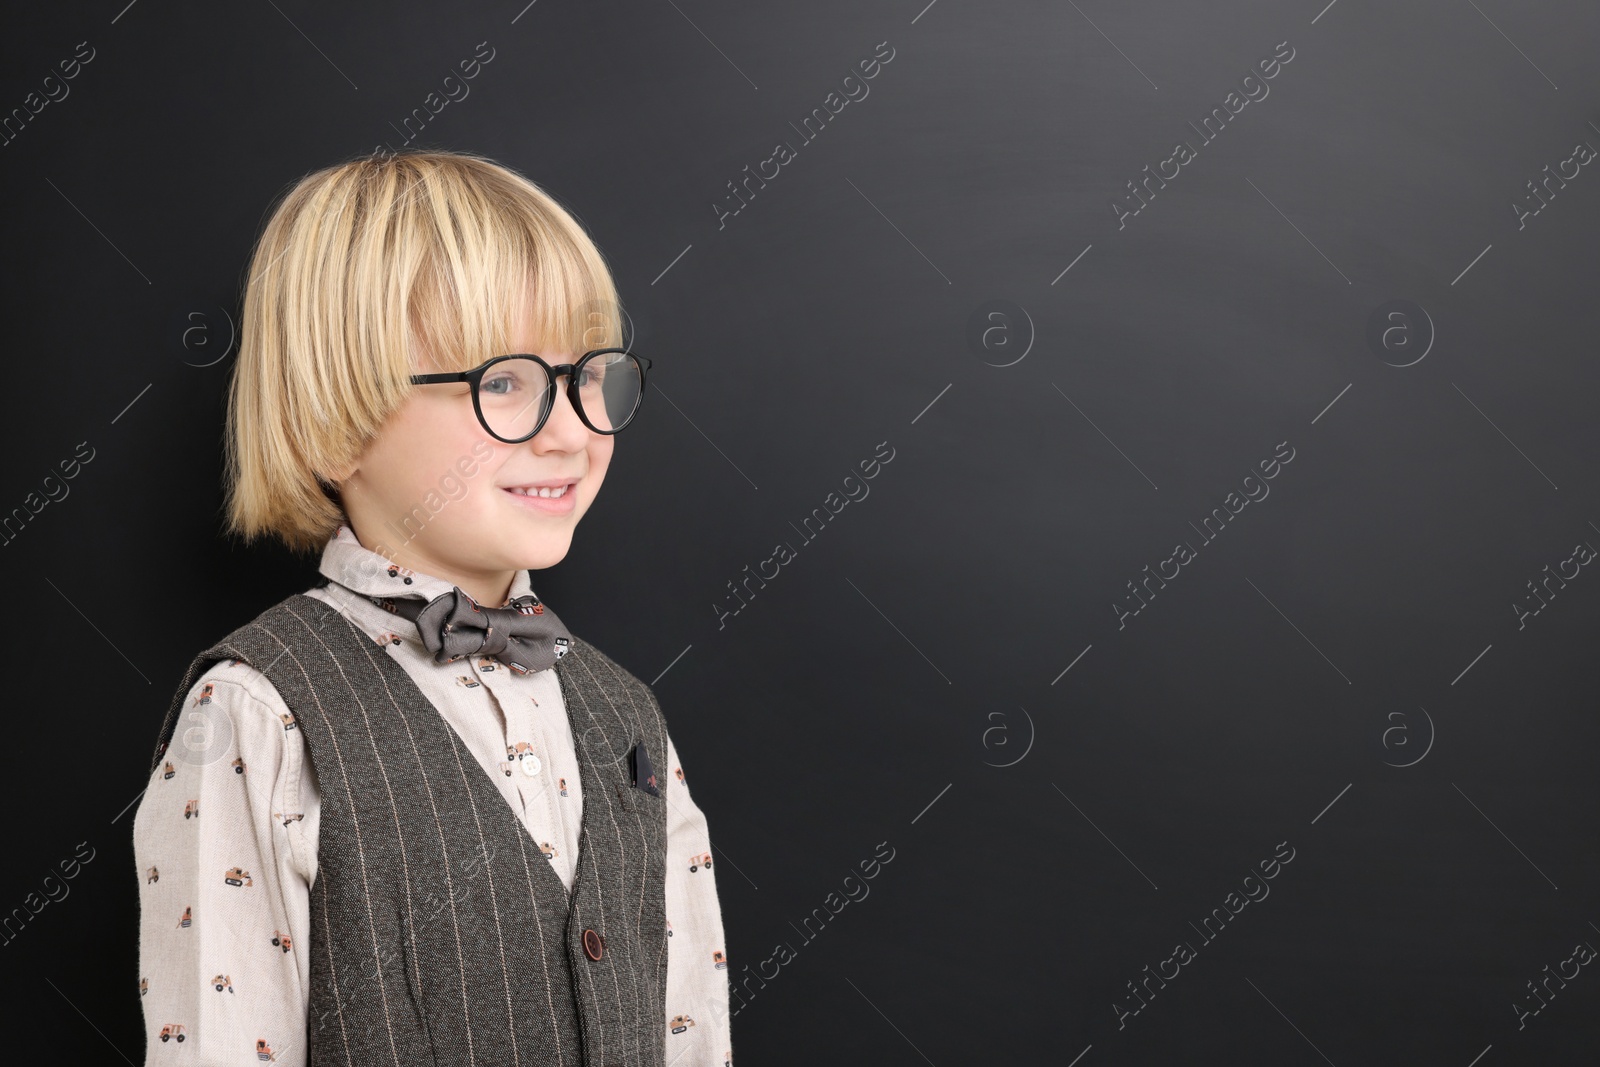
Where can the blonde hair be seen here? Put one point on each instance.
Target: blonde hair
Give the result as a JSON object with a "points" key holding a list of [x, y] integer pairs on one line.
{"points": [[363, 268]]}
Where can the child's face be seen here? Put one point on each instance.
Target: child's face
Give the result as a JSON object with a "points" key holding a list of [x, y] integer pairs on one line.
{"points": [[432, 489]]}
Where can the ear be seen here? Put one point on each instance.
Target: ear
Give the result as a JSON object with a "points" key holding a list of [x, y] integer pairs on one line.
{"points": [[338, 474]]}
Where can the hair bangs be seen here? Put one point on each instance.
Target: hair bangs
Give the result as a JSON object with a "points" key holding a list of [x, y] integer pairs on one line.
{"points": [[499, 273]]}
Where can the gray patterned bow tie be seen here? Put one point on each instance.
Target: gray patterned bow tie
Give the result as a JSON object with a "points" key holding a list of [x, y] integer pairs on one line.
{"points": [[524, 635]]}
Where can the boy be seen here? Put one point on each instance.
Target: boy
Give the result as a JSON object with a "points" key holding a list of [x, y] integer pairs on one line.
{"points": [[407, 815]]}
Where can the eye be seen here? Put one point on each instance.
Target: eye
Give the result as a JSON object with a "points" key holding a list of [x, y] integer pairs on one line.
{"points": [[499, 383]]}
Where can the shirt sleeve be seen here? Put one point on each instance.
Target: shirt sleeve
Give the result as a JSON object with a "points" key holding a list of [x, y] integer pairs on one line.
{"points": [[224, 879], [698, 1025]]}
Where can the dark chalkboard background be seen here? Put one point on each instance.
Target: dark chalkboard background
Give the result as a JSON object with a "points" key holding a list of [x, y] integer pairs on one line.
{"points": [[1354, 272]]}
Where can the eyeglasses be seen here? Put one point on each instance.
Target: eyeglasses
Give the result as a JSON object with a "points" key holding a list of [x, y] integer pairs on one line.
{"points": [[514, 395]]}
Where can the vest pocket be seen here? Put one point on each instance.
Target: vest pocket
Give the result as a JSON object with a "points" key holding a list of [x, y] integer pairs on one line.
{"points": [[415, 1001], [638, 800], [364, 1006]]}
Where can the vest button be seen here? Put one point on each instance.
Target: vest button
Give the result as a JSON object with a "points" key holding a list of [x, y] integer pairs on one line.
{"points": [[593, 944]]}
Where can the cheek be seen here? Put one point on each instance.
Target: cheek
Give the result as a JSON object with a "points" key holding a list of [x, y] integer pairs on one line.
{"points": [[434, 437], [600, 457], [482, 487], [438, 445]]}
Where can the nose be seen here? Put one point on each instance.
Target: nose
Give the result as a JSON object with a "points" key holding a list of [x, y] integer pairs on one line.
{"points": [[563, 424]]}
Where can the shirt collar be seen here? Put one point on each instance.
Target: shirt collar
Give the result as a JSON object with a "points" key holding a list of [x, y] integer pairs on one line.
{"points": [[352, 568]]}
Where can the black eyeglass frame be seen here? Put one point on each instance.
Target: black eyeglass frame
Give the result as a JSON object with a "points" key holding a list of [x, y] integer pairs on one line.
{"points": [[475, 375]]}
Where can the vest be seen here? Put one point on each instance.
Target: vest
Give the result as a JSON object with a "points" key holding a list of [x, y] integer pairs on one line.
{"points": [[439, 931]]}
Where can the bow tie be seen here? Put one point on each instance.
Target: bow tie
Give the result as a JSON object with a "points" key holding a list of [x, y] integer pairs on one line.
{"points": [[525, 635]]}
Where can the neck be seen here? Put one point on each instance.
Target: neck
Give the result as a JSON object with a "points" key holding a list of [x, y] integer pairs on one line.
{"points": [[489, 589]]}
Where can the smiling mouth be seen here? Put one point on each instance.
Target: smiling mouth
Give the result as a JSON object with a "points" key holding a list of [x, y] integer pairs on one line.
{"points": [[542, 492]]}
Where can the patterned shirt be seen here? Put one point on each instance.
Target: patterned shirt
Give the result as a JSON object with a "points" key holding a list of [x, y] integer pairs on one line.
{"points": [[225, 898]]}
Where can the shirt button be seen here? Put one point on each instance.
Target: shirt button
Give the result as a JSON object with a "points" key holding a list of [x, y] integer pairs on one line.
{"points": [[530, 764], [593, 944]]}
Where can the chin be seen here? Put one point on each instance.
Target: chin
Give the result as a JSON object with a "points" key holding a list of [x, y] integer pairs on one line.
{"points": [[547, 556]]}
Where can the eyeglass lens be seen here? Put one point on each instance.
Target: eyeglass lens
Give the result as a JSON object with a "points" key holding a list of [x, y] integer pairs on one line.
{"points": [[512, 393]]}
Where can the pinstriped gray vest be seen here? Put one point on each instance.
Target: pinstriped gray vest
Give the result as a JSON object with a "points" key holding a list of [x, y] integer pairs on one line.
{"points": [[439, 931]]}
